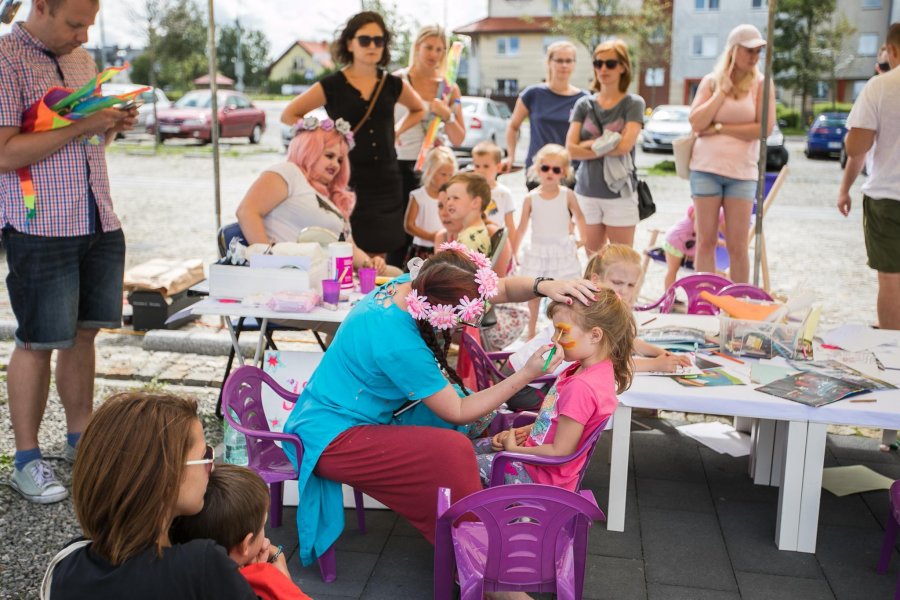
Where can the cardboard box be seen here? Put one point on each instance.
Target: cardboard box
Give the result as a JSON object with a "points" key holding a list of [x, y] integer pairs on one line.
{"points": [[150, 309], [228, 281]]}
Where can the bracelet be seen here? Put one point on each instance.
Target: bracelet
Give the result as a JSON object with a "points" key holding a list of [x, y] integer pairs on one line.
{"points": [[275, 556], [534, 288]]}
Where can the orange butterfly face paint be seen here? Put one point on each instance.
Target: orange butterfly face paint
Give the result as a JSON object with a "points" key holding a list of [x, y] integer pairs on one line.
{"points": [[563, 330]]}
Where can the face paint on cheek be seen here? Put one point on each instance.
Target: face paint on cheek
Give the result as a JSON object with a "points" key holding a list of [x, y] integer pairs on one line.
{"points": [[562, 329], [567, 345]]}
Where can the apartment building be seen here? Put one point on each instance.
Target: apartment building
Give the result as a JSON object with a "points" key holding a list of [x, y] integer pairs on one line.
{"points": [[509, 45]]}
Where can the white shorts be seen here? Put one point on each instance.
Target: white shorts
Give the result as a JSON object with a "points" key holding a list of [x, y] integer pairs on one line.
{"points": [[614, 212]]}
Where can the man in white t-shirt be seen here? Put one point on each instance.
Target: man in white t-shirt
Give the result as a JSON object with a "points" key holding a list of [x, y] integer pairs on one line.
{"points": [[874, 123]]}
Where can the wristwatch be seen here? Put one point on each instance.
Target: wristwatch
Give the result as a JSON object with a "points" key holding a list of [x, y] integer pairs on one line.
{"points": [[534, 288], [718, 127]]}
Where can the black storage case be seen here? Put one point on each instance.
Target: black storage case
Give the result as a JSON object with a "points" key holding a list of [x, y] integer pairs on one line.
{"points": [[150, 309]]}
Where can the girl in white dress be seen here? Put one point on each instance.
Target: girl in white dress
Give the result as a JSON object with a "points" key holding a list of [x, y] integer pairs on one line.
{"points": [[422, 218], [551, 207]]}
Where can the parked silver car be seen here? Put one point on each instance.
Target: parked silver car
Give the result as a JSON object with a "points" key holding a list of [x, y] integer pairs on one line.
{"points": [[145, 111], [486, 120], [666, 123]]}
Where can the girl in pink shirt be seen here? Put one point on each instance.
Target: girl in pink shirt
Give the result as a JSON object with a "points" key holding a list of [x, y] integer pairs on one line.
{"points": [[599, 339]]}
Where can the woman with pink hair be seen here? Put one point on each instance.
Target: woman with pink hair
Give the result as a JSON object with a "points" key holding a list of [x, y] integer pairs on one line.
{"points": [[309, 189]]}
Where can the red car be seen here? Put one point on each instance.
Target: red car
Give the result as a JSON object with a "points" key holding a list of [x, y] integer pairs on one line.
{"points": [[190, 117]]}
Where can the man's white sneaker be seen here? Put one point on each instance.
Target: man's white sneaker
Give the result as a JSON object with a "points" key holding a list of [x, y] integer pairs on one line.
{"points": [[37, 483]]}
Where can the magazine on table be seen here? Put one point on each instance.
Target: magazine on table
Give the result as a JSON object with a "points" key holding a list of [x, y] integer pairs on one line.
{"points": [[708, 378], [844, 372], [813, 389]]}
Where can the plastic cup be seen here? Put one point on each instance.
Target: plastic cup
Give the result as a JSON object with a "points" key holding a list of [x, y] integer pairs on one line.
{"points": [[331, 291], [367, 280]]}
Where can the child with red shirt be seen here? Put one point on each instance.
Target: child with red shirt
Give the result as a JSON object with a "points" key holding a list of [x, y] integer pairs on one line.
{"points": [[599, 339], [235, 508]]}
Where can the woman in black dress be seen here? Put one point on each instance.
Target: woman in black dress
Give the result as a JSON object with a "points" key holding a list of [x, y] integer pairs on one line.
{"points": [[362, 47]]}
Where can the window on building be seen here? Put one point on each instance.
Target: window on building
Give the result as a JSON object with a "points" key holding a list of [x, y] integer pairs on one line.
{"points": [[871, 4], [506, 87], [655, 77], [560, 6], [507, 46], [658, 35], [858, 87], [704, 46], [868, 44], [823, 90], [706, 4], [759, 3]]}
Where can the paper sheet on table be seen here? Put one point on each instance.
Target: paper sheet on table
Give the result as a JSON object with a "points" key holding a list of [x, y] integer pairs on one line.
{"points": [[842, 481], [889, 357], [766, 374], [859, 337], [720, 437]]}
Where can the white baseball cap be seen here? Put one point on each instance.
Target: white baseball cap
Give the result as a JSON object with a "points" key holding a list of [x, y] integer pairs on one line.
{"points": [[747, 36]]}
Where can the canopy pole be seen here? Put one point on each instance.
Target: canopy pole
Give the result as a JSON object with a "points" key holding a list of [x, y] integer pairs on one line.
{"points": [[214, 124], [764, 127]]}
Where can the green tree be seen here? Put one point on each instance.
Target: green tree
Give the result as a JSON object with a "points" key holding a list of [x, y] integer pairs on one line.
{"points": [[801, 31], [254, 53], [647, 29], [400, 27], [182, 47]]}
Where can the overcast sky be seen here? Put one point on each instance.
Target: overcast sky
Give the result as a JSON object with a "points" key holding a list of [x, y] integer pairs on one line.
{"points": [[283, 21]]}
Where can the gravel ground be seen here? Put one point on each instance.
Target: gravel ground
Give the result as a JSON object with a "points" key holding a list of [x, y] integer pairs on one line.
{"points": [[166, 206]]}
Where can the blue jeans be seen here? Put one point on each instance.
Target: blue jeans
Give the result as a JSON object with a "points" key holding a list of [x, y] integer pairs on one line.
{"points": [[60, 284], [711, 185]]}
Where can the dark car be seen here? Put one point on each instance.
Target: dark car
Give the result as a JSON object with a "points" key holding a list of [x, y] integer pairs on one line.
{"points": [[190, 117], [776, 153], [826, 134]]}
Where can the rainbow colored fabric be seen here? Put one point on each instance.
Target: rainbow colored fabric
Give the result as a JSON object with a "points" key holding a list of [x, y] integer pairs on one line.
{"points": [[60, 107]]}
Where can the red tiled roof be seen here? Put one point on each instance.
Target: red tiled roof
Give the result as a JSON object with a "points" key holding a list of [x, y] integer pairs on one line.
{"points": [[507, 25]]}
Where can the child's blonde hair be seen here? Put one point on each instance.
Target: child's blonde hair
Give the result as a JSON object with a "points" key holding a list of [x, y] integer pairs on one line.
{"points": [[476, 185], [610, 255], [612, 315], [551, 151], [436, 158], [488, 148]]}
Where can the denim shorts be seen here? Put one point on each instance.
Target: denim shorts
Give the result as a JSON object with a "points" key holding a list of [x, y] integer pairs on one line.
{"points": [[711, 185], [60, 284]]}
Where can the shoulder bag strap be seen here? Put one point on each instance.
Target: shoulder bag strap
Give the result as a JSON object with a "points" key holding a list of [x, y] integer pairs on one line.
{"points": [[372, 102], [596, 116], [48, 575]]}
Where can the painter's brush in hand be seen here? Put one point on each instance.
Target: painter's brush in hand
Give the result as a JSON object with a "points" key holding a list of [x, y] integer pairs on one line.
{"points": [[552, 351]]}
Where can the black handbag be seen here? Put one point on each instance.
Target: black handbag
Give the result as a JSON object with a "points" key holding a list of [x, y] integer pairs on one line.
{"points": [[646, 206]]}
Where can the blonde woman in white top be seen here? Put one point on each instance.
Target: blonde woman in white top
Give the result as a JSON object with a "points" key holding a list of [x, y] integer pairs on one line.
{"points": [[426, 76], [726, 115]]}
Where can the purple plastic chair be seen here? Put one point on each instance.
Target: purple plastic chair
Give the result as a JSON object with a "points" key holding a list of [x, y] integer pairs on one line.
{"points": [[692, 286], [243, 395], [890, 534], [588, 446], [529, 537], [745, 290]]}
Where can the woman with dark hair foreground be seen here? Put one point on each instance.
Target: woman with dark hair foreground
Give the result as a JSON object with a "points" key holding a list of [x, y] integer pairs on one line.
{"points": [[142, 462]]}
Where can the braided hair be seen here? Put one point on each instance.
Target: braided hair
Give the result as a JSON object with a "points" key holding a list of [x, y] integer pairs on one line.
{"points": [[444, 279]]}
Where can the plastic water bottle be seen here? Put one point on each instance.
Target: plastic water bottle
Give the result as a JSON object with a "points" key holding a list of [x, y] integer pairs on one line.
{"points": [[235, 445]]}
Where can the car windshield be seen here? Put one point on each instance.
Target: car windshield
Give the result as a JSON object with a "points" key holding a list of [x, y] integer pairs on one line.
{"points": [[469, 107], [195, 100], [832, 121], [148, 97], [667, 114]]}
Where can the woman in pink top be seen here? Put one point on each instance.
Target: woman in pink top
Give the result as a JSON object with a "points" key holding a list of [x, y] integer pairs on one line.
{"points": [[599, 339], [726, 115]]}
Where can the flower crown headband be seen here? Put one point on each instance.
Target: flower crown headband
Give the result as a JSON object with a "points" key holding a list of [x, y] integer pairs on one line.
{"points": [[313, 123], [444, 316]]}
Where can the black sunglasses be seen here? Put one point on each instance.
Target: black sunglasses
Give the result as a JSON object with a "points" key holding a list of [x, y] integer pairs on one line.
{"points": [[884, 67], [547, 168], [367, 40], [611, 63]]}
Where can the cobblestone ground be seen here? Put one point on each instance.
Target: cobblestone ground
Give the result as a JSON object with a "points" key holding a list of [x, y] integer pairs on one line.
{"points": [[167, 208]]}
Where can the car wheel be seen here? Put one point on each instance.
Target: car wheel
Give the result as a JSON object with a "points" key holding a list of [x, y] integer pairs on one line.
{"points": [[256, 134]]}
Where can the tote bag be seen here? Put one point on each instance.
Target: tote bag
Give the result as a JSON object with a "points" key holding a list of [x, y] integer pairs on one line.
{"points": [[682, 148]]}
